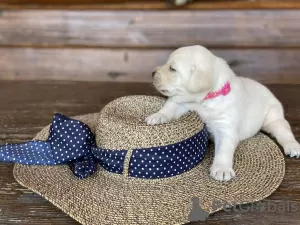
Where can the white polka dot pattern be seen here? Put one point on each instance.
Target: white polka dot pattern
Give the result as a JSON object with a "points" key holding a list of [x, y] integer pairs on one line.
{"points": [[72, 142], [84, 166], [69, 142], [70, 139], [33, 153], [170, 160], [111, 160]]}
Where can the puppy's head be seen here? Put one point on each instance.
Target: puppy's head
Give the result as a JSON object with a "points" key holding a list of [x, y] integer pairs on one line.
{"points": [[189, 70]]}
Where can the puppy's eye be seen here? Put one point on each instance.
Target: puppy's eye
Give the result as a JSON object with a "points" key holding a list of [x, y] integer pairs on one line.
{"points": [[172, 69]]}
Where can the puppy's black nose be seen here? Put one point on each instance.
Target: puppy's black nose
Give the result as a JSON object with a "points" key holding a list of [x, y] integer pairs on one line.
{"points": [[153, 73]]}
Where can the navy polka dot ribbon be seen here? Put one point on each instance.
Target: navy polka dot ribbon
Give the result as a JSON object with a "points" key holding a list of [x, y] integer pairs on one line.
{"points": [[71, 142]]}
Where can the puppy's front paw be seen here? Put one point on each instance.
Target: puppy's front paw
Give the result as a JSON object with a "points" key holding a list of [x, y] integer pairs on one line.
{"points": [[181, 2], [292, 149], [157, 118], [221, 173]]}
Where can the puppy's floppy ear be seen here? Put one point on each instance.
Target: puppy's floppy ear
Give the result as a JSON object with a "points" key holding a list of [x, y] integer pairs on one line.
{"points": [[200, 80]]}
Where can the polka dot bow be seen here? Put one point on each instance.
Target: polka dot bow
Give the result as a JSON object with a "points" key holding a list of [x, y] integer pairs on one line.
{"points": [[69, 142]]}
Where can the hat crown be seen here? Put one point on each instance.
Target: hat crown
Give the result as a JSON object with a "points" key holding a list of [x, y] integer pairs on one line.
{"points": [[121, 124]]}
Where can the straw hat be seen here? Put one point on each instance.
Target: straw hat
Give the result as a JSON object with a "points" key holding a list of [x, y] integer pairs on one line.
{"points": [[127, 194]]}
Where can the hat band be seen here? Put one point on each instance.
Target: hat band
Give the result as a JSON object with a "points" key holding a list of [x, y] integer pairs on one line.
{"points": [[156, 162], [72, 142]]}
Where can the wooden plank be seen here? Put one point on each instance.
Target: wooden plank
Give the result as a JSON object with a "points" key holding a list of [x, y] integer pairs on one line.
{"points": [[149, 4], [66, 2], [27, 106], [163, 29], [19, 121], [127, 65]]}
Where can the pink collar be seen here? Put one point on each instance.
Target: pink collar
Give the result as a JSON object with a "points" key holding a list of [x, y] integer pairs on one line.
{"points": [[223, 91]]}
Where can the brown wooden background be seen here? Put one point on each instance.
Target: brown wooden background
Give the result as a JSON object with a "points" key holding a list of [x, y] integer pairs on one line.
{"points": [[46, 46], [87, 40]]}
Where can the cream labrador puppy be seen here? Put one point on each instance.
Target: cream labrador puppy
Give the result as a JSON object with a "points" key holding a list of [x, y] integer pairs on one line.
{"points": [[234, 108]]}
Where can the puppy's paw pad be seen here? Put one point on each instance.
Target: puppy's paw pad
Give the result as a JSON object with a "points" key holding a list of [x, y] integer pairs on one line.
{"points": [[292, 149], [157, 118], [221, 173]]}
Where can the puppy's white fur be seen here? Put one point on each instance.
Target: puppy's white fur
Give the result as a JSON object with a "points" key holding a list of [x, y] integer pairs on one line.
{"points": [[192, 72], [181, 2]]}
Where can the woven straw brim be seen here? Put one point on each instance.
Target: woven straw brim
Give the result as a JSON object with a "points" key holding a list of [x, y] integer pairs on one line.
{"points": [[107, 198]]}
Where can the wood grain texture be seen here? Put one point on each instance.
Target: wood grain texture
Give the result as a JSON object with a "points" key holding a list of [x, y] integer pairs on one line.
{"points": [[149, 4], [164, 29], [26, 107], [127, 65]]}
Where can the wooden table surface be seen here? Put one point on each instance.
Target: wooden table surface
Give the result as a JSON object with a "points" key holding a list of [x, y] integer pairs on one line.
{"points": [[28, 106]]}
